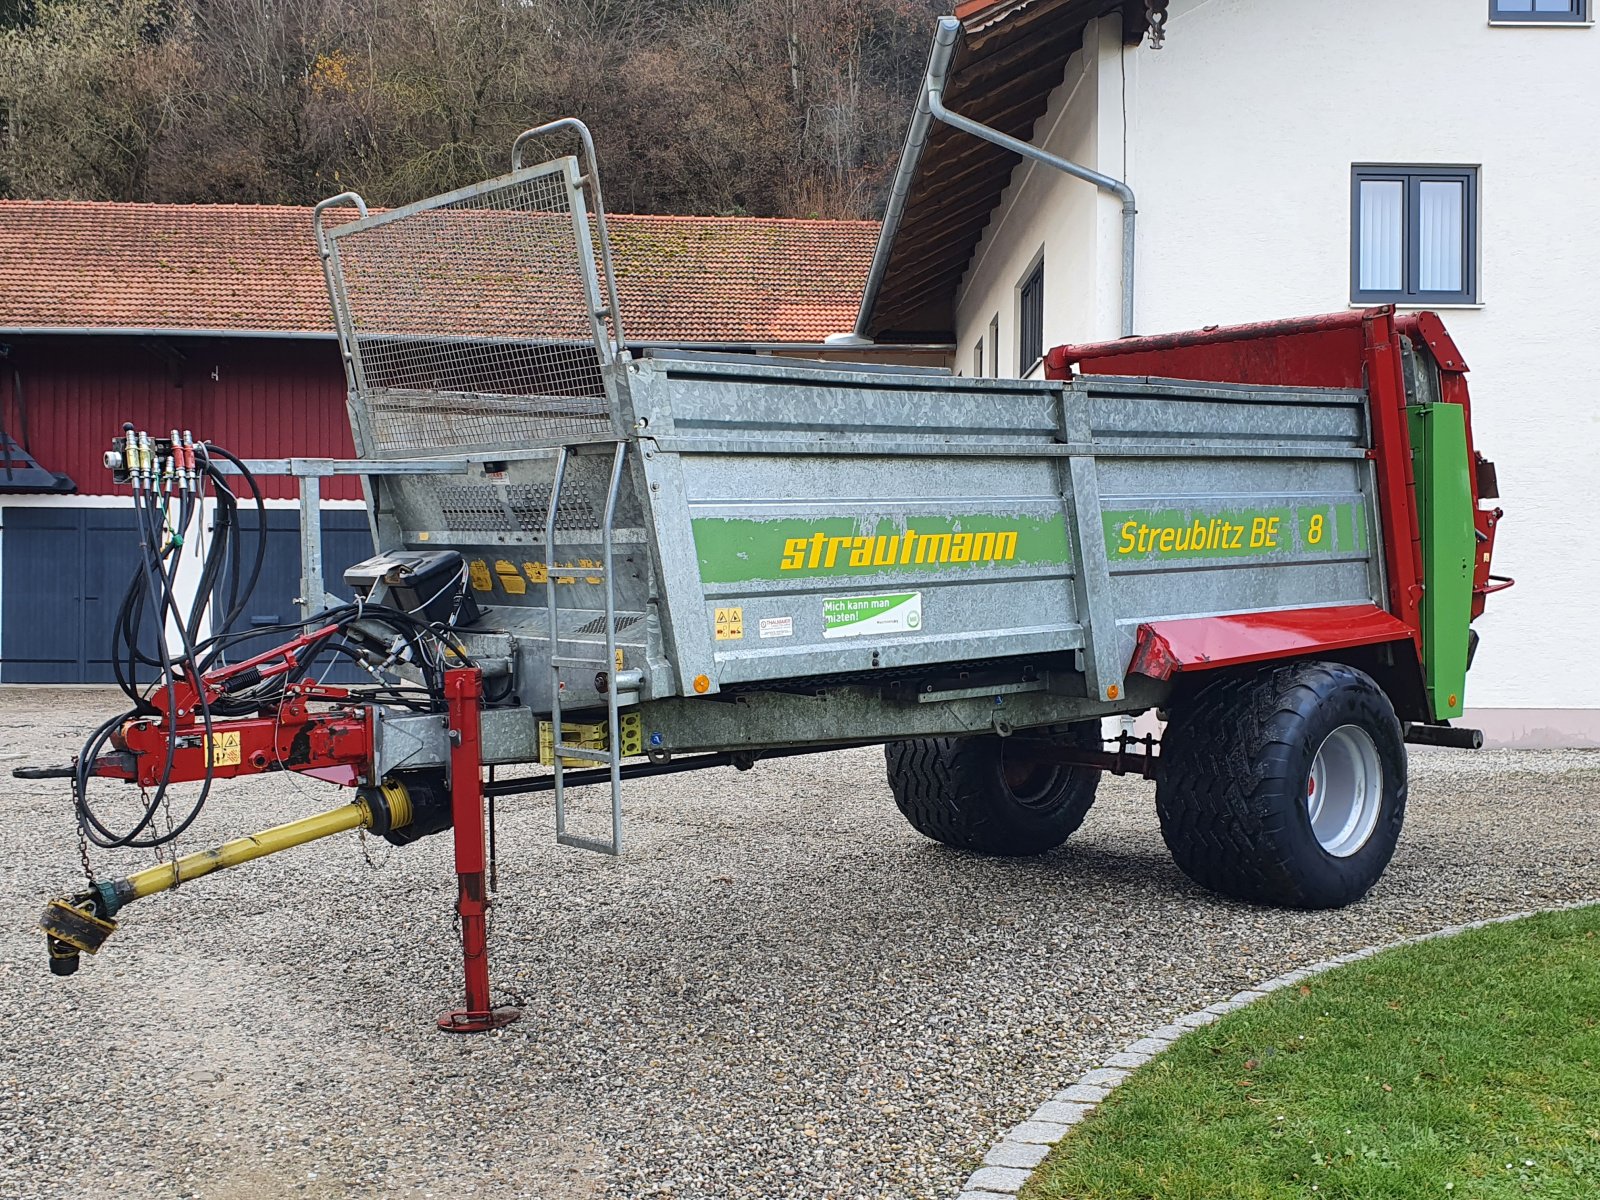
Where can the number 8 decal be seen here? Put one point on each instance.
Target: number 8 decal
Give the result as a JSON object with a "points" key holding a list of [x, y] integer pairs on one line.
{"points": [[1314, 533]]}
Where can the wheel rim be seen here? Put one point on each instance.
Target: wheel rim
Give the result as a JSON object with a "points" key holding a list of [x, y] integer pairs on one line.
{"points": [[1344, 792], [1029, 781]]}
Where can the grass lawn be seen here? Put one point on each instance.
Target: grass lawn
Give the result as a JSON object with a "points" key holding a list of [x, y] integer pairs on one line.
{"points": [[1464, 1067]]}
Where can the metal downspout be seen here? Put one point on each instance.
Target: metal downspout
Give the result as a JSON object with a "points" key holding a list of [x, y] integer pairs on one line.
{"points": [[933, 104], [944, 49]]}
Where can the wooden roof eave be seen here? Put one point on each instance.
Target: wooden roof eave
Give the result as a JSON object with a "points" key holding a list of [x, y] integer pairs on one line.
{"points": [[931, 245]]}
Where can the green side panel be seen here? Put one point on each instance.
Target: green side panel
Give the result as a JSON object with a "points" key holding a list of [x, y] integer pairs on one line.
{"points": [[1449, 544]]}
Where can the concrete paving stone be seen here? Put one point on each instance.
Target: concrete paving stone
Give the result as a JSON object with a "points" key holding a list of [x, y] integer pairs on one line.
{"points": [[1042, 1133], [1170, 1033], [1081, 1093], [1106, 1076], [1024, 1155], [1061, 1112], [1149, 1045], [1005, 1180], [1124, 1058]]}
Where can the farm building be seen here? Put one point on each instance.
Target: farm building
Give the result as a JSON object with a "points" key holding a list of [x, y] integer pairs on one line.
{"points": [[1290, 159], [215, 319]]}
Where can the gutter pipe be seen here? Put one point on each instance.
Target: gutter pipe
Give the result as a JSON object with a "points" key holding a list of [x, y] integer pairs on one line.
{"points": [[944, 49], [932, 108]]}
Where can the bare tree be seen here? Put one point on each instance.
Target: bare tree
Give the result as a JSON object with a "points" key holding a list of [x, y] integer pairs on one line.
{"points": [[90, 90], [710, 106]]}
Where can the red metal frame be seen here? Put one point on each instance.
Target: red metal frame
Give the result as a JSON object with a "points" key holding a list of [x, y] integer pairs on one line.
{"points": [[1164, 648], [1358, 349], [296, 739], [463, 691], [1391, 451], [334, 744]]}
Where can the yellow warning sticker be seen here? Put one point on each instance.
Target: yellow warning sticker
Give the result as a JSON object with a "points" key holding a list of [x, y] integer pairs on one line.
{"points": [[510, 580], [729, 624], [225, 749]]}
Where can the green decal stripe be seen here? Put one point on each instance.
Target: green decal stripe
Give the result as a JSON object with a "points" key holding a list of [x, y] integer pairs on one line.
{"points": [[741, 549], [1191, 533]]}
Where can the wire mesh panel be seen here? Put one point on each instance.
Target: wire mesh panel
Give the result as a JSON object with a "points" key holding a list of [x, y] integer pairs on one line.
{"points": [[472, 319]]}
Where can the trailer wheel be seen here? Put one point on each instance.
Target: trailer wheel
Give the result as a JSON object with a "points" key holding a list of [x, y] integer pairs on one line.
{"points": [[1284, 787], [990, 794]]}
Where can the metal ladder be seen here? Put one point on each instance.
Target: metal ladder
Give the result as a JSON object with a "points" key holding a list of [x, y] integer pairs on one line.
{"points": [[611, 756]]}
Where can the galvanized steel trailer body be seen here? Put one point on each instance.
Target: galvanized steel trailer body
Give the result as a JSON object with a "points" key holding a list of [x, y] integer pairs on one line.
{"points": [[698, 559]]}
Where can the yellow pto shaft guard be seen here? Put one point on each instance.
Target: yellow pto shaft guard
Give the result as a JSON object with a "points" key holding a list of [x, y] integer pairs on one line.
{"points": [[81, 923]]}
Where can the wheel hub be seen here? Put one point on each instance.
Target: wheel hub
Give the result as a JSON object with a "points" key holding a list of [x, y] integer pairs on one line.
{"points": [[1029, 780], [1344, 791]]}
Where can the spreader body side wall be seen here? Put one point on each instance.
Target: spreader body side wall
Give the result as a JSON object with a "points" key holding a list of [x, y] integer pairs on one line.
{"points": [[842, 523]]}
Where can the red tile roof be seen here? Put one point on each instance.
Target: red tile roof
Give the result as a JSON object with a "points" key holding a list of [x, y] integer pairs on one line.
{"points": [[253, 268]]}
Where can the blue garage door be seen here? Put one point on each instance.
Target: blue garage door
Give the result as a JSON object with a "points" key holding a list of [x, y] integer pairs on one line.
{"points": [[63, 573]]}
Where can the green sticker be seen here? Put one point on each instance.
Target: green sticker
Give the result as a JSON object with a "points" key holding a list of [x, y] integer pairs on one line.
{"points": [[859, 616]]}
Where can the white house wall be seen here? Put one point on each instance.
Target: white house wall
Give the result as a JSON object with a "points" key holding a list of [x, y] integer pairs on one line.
{"points": [[1241, 136], [1064, 217]]}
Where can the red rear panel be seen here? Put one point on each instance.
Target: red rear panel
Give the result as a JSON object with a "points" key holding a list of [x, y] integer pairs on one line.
{"points": [[1342, 350]]}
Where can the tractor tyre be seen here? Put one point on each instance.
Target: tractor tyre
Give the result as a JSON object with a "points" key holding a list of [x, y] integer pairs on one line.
{"points": [[990, 794], [1286, 786]]}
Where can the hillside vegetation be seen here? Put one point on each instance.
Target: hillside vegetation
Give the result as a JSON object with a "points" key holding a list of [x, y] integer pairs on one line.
{"points": [[768, 107]]}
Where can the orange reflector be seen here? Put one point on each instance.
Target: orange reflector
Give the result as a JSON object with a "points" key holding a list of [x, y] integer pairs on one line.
{"points": [[1113, 692], [702, 684]]}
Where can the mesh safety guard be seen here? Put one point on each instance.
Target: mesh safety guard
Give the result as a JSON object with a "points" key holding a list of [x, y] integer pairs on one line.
{"points": [[474, 319]]}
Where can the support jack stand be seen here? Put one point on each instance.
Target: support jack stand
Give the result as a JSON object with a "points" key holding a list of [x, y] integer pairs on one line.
{"points": [[464, 695]]}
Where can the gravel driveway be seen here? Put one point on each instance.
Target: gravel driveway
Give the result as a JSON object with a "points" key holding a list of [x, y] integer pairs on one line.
{"points": [[780, 990]]}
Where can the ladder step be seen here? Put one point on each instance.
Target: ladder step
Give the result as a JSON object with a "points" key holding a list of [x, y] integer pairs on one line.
{"points": [[583, 843], [583, 752], [564, 660]]}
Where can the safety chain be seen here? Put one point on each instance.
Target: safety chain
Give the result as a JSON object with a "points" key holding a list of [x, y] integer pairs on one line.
{"points": [[1156, 18], [375, 864], [171, 844], [83, 853]]}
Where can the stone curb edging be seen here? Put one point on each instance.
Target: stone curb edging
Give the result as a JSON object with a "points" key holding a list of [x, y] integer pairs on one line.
{"points": [[1011, 1161]]}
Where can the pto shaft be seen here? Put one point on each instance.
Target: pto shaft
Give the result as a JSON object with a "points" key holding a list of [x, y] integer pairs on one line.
{"points": [[81, 923]]}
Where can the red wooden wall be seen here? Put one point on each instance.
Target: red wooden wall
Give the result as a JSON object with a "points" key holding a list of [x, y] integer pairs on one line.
{"points": [[260, 398]]}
